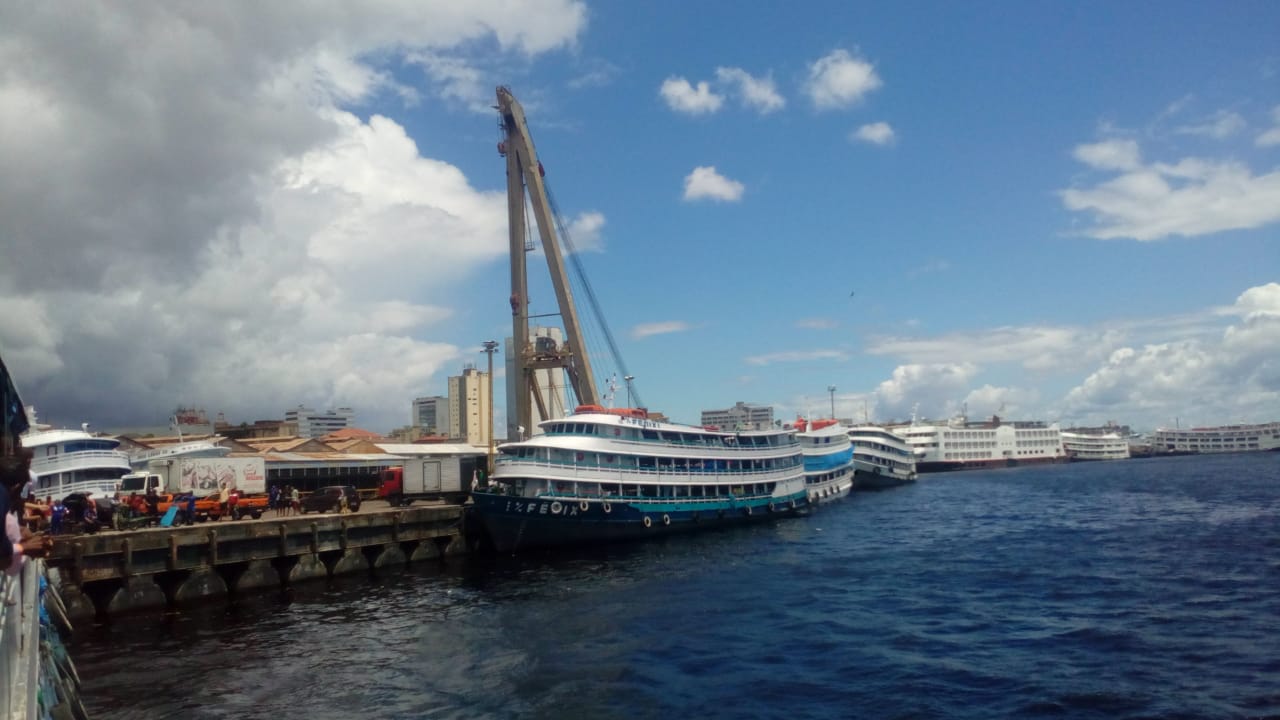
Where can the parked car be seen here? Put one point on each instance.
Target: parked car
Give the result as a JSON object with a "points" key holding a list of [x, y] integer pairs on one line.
{"points": [[328, 499]]}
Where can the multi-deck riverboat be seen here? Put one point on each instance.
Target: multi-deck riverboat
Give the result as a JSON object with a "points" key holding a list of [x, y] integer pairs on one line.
{"points": [[880, 458], [828, 459]]}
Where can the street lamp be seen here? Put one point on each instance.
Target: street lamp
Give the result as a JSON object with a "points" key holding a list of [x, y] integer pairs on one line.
{"points": [[832, 389], [627, 379], [490, 347]]}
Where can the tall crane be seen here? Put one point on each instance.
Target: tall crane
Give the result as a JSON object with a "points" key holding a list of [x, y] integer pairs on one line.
{"points": [[524, 172]]}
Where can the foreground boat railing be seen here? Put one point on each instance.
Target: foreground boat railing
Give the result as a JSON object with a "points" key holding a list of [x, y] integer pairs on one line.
{"points": [[19, 641]]}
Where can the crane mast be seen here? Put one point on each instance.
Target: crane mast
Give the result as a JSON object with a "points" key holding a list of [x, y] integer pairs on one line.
{"points": [[525, 172]]}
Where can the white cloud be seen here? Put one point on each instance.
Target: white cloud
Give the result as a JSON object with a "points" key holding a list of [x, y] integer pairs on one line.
{"points": [[797, 356], [1109, 155], [839, 80], [197, 220], [1222, 125], [1233, 377], [645, 330], [930, 389], [686, 98], [1272, 136], [584, 230], [761, 94], [1033, 347], [1158, 200], [706, 183], [878, 133]]}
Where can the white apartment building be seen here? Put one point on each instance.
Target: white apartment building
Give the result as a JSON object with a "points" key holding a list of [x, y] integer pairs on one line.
{"points": [[469, 407], [740, 417], [314, 424]]}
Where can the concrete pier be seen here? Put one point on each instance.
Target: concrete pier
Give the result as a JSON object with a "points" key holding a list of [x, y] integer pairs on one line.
{"points": [[122, 572]]}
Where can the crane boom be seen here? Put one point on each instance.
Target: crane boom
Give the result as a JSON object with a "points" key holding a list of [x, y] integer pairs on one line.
{"points": [[524, 172]]}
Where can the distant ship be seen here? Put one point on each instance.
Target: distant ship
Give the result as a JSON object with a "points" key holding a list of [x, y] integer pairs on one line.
{"points": [[881, 459], [1086, 446], [828, 459], [1226, 438], [963, 445]]}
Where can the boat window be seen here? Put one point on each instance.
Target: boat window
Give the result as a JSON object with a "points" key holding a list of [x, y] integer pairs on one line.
{"points": [[649, 434]]}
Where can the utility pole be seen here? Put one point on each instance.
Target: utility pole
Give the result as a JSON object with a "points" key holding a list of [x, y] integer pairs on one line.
{"points": [[490, 347], [832, 389]]}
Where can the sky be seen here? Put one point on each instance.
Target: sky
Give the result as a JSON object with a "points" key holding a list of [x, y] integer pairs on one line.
{"points": [[1058, 211]]}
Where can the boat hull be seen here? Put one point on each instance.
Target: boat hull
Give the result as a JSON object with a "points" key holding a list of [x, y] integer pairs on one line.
{"points": [[511, 523], [947, 466]]}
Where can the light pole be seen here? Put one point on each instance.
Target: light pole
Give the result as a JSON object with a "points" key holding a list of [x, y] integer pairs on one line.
{"points": [[627, 379], [490, 347], [832, 389]]}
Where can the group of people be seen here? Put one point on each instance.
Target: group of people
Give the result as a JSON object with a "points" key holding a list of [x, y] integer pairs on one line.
{"points": [[285, 500]]}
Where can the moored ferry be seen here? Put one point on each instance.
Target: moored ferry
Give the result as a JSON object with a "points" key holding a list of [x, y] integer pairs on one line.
{"points": [[828, 459], [1087, 446], [880, 458], [963, 445], [67, 461], [1225, 438], [614, 474]]}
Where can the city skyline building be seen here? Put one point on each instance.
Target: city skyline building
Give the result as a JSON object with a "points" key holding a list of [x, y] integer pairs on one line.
{"points": [[741, 416], [431, 413], [314, 424], [469, 406]]}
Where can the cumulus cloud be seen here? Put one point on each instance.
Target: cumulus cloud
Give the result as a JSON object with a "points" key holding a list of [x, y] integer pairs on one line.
{"points": [[645, 330], [191, 215], [796, 356], [1222, 125], [929, 389], [839, 80], [1272, 136], [875, 133], [585, 231], [704, 183], [760, 94], [684, 97], [1233, 377], [1151, 201], [1033, 347]]}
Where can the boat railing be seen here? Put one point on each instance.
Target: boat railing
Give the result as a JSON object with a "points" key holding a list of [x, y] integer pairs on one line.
{"points": [[80, 458], [608, 473], [19, 641]]}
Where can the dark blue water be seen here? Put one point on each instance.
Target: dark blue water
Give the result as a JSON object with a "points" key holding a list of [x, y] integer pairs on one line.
{"points": [[1139, 589]]}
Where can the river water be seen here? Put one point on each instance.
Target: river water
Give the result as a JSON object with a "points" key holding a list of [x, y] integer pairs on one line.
{"points": [[1138, 589]]}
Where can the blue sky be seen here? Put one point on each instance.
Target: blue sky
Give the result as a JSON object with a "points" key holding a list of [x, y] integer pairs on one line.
{"points": [[1065, 210]]}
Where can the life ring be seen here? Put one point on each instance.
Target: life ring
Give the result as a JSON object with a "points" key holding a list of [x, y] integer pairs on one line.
{"points": [[605, 506], [583, 505], [771, 507], [877, 469], [556, 507], [746, 510], [666, 519], [793, 504], [647, 522]]}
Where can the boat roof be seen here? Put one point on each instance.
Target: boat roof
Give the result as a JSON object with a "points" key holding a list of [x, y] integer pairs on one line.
{"points": [[40, 438]]}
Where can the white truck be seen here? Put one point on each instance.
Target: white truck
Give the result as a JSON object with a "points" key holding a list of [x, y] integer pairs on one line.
{"points": [[202, 476], [424, 479]]}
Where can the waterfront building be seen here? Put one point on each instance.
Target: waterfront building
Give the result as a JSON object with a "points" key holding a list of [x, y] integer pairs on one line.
{"points": [[315, 424], [469, 406], [1225, 438], [740, 417], [431, 414]]}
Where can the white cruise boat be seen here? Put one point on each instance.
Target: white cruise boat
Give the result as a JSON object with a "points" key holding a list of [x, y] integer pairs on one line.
{"points": [[1225, 438], [828, 459], [963, 445], [67, 461], [881, 459], [611, 474], [1084, 446]]}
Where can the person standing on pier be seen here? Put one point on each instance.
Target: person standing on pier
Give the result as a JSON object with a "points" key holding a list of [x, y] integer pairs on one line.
{"points": [[224, 493]]}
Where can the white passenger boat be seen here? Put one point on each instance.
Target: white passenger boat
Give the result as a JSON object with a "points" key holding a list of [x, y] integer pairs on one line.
{"points": [[183, 449], [1086, 446], [611, 474], [1220, 439], [880, 458], [828, 459], [963, 445], [67, 461]]}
